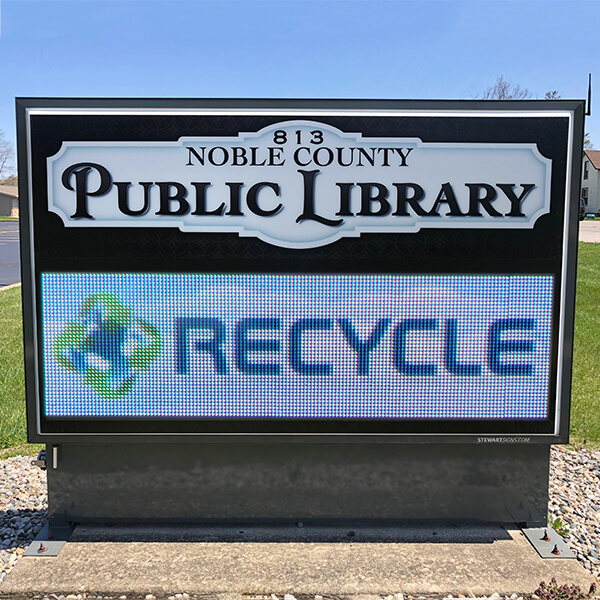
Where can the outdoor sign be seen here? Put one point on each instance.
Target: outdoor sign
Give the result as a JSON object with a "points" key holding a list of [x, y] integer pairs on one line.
{"points": [[367, 270]]}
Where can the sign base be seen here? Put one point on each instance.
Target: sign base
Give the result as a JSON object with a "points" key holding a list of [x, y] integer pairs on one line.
{"points": [[297, 482]]}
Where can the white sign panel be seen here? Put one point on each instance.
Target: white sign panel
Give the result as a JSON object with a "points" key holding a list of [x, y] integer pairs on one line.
{"points": [[299, 184]]}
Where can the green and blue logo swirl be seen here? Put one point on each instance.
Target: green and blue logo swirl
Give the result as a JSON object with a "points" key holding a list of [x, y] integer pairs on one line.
{"points": [[107, 345]]}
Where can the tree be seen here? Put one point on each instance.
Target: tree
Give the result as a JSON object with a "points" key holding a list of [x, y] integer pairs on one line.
{"points": [[7, 157], [504, 90], [13, 181], [553, 95]]}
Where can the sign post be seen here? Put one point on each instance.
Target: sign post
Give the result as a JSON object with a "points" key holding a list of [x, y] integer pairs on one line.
{"points": [[293, 308]]}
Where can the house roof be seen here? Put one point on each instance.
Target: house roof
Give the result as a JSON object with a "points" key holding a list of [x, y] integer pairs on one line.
{"points": [[594, 156], [9, 190]]}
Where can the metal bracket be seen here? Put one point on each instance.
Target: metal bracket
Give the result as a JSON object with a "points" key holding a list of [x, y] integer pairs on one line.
{"points": [[548, 543], [50, 540], [40, 461]]}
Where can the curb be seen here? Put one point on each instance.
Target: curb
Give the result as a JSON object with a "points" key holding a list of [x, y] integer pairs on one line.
{"points": [[8, 287]]}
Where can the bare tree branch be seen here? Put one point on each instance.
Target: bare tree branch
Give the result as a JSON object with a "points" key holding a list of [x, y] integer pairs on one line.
{"points": [[7, 157], [504, 90]]}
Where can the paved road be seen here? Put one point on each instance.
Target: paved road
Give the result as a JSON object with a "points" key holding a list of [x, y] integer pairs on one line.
{"points": [[10, 265], [589, 231]]}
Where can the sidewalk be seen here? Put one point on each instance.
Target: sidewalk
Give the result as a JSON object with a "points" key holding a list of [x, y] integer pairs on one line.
{"points": [[589, 231], [349, 564]]}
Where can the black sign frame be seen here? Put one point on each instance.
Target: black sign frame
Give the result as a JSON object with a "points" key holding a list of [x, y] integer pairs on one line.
{"points": [[52, 112]]}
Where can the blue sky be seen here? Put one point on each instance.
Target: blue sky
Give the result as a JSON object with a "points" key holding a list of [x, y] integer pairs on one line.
{"points": [[285, 48]]}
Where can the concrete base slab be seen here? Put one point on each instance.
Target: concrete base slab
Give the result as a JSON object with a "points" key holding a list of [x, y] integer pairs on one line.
{"points": [[308, 560]]}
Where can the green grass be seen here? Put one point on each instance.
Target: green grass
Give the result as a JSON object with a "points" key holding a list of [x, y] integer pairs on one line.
{"points": [[21, 450], [585, 401], [12, 387], [585, 412], [13, 431], [8, 218]]}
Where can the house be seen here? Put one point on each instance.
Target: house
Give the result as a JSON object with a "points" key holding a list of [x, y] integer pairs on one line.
{"points": [[590, 181], [9, 201]]}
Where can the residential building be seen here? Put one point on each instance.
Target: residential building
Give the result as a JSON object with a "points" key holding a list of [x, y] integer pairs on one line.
{"points": [[590, 181], [9, 201]]}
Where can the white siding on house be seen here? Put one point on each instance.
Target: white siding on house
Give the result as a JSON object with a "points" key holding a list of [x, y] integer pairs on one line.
{"points": [[591, 184], [9, 201], [6, 203]]}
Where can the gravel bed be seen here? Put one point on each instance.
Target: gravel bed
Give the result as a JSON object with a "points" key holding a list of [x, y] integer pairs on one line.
{"points": [[23, 508], [574, 498]]}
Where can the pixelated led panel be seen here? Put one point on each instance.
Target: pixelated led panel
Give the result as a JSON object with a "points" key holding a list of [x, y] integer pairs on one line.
{"points": [[247, 345]]}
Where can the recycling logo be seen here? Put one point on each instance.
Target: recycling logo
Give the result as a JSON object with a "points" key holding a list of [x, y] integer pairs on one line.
{"points": [[107, 346]]}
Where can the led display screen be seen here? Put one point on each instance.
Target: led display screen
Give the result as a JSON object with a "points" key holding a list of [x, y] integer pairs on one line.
{"points": [[333, 346]]}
